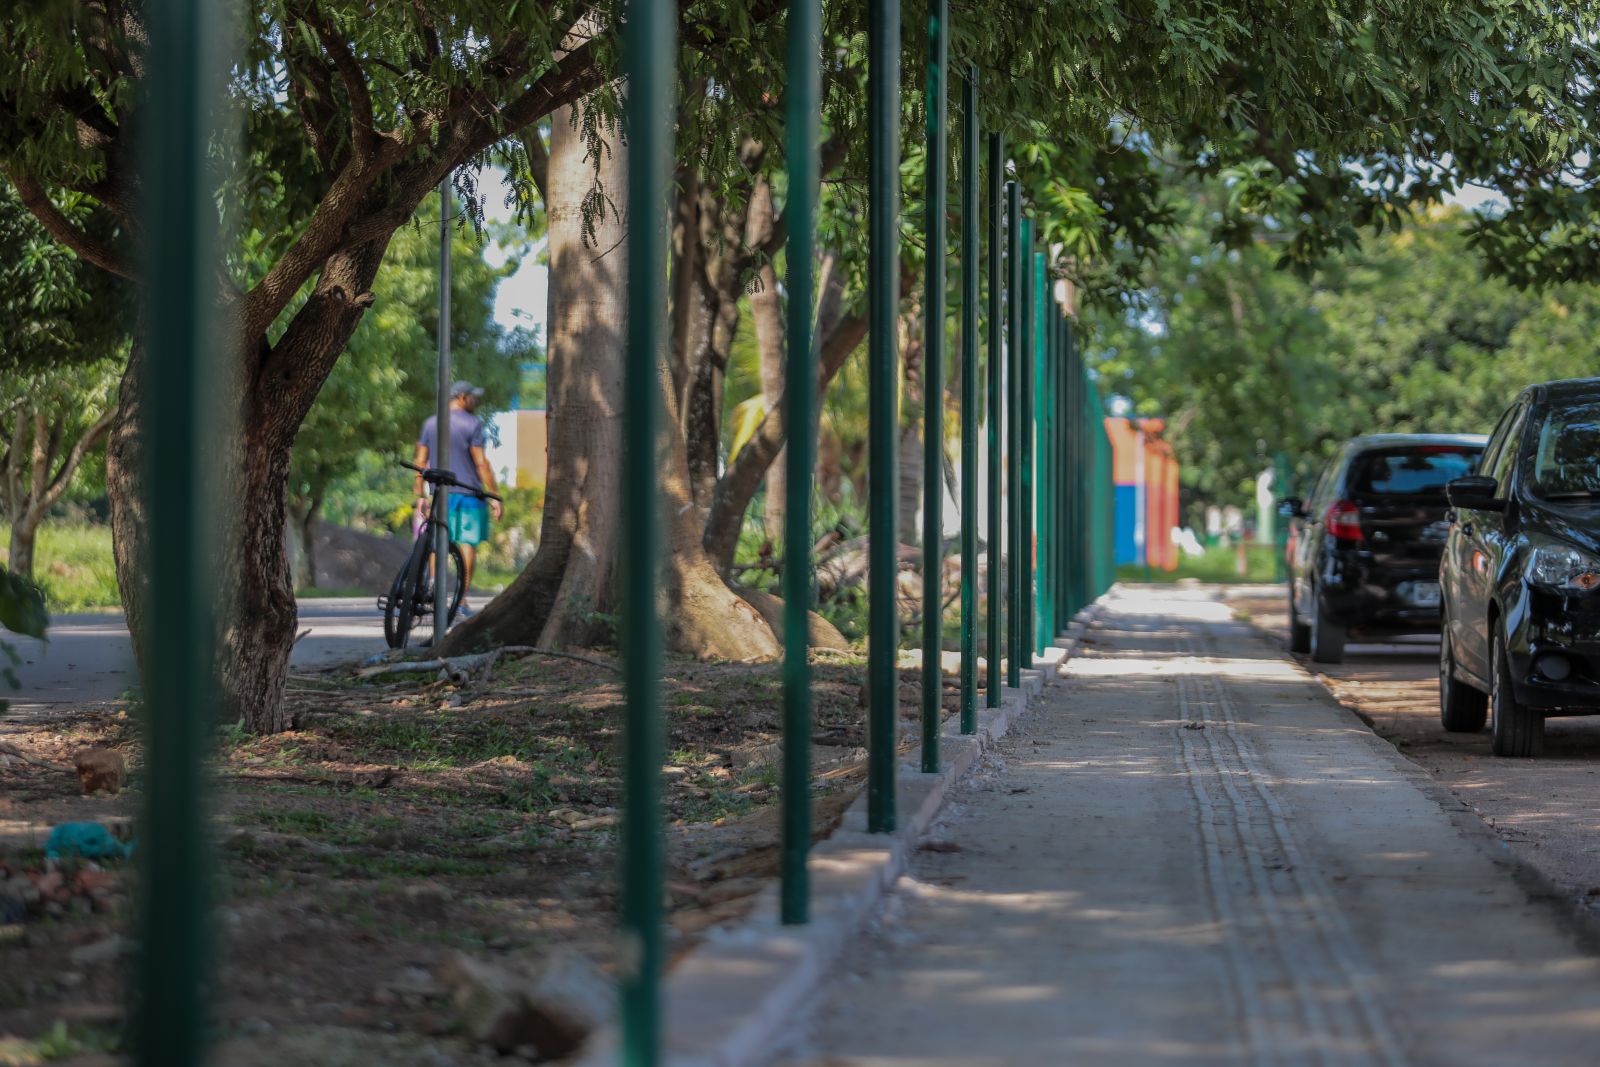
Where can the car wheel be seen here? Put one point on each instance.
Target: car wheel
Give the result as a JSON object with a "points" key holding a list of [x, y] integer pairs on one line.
{"points": [[1327, 636], [1518, 729], [1299, 629], [1462, 709]]}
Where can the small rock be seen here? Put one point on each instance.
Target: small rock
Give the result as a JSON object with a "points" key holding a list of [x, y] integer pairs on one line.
{"points": [[99, 951], [552, 1008]]}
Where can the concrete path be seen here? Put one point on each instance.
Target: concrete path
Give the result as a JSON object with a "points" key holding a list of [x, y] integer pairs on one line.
{"points": [[1192, 855], [88, 656]]}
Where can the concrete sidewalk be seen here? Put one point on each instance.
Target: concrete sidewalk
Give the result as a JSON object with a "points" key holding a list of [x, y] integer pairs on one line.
{"points": [[1194, 856]]}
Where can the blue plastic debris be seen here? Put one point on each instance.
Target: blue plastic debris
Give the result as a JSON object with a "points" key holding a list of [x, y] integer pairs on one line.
{"points": [[89, 840]]}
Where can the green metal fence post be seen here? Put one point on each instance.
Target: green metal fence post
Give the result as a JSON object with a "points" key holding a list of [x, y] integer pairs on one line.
{"points": [[936, 193], [995, 584], [1025, 526], [1016, 602], [188, 57], [883, 379], [650, 48], [1046, 378], [802, 124], [969, 402], [1032, 487]]}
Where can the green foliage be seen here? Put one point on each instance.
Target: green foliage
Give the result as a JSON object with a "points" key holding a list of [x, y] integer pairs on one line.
{"points": [[75, 569], [22, 612], [1246, 360]]}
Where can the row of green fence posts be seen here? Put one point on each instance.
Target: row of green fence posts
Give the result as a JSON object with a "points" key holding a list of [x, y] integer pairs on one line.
{"points": [[189, 56]]}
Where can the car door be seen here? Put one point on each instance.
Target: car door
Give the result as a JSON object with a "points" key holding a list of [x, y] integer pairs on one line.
{"points": [[1480, 545], [1307, 543]]}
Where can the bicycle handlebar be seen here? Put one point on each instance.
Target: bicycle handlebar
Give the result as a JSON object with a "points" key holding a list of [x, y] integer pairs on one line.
{"points": [[441, 476]]}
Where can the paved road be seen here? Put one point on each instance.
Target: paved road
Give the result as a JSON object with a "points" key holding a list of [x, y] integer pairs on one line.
{"points": [[1194, 856], [88, 656]]}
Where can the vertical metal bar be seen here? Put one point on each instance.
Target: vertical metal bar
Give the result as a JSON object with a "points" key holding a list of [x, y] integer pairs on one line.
{"points": [[969, 402], [1027, 598], [1034, 455], [1015, 602], [650, 48], [440, 507], [996, 353], [883, 423], [936, 195], [188, 50], [802, 123], [1047, 474]]}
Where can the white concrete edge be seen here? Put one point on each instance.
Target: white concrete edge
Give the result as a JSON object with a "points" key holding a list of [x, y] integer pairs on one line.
{"points": [[726, 1002]]}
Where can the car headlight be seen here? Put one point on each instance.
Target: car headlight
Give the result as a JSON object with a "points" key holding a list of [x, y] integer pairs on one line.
{"points": [[1559, 566]]}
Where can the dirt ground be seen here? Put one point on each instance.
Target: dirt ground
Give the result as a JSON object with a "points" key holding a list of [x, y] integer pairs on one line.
{"points": [[406, 819], [1544, 810]]}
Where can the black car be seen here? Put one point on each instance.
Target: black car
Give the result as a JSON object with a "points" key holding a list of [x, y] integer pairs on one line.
{"points": [[1521, 572], [1364, 547]]}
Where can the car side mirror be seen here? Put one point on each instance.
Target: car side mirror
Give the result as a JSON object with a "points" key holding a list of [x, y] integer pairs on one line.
{"points": [[1475, 492], [1292, 507]]}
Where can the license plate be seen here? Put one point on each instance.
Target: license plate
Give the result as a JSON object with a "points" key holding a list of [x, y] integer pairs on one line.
{"points": [[1421, 594]]}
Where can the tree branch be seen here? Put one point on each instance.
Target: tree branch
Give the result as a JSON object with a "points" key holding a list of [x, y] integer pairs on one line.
{"points": [[57, 225], [74, 456]]}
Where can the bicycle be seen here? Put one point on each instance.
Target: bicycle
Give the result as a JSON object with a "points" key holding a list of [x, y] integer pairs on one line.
{"points": [[411, 594]]}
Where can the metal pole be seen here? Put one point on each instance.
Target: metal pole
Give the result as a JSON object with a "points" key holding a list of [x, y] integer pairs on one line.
{"points": [[801, 130], [188, 56], [936, 192], [996, 578], [440, 507], [1016, 603], [650, 48], [969, 402], [1045, 375], [883, 423], [1026, 591]]}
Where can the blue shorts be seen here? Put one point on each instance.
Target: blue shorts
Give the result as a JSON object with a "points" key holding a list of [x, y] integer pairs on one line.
{"points": [[469, 519]]}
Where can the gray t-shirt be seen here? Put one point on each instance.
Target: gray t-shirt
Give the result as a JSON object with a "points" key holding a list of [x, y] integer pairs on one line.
{"points": [[467, 432]]}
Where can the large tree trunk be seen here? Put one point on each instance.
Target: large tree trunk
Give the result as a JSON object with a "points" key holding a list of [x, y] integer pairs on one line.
{"points": [[766, 309], [566, 591], [269, 392], [24, 530]]}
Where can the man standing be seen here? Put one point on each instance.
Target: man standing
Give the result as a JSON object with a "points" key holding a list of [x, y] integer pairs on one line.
{"points": [[468, 518]]}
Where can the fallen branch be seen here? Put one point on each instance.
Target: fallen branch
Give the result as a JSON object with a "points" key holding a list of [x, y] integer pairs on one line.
{"points": [[8, 749], [460, 669]]}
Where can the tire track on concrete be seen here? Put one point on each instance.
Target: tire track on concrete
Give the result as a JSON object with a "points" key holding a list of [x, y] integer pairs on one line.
{"points": [[1330, 1016]]}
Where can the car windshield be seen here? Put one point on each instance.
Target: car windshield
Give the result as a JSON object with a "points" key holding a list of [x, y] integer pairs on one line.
{"points": [[1566, 461], [1416, 470]]}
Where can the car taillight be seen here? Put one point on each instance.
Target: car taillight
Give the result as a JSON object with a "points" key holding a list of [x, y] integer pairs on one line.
{"points": [[1344, 521]]}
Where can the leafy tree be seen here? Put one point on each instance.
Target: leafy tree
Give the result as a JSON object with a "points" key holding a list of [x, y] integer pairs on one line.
{"points": [[1406, 334], [61, 348]]}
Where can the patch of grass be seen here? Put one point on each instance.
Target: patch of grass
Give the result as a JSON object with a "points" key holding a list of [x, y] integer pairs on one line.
{"points": [[72, 563], [60, 1042], [1216, 565]]}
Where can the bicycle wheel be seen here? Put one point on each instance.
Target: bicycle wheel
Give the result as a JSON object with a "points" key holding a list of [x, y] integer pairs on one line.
{"points": [[458, 584], [408, 590]]}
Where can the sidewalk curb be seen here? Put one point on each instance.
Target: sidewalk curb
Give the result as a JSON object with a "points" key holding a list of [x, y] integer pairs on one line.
{"points": [[728, 999]]}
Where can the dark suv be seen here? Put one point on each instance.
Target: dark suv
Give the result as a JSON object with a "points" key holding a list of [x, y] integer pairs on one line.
{"points": [[1521, 572], [1364, 548]]}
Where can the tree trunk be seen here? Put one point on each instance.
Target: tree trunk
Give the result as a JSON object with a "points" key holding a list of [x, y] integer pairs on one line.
{"points": [[306, 530], [566, 592], [269, 391], [767, 311], [24, 530]]}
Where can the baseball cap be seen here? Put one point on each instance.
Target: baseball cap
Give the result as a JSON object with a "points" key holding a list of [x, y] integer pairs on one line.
{"points": [[462, 387]]}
